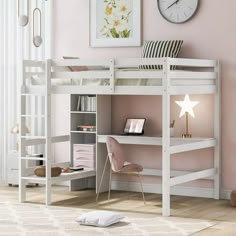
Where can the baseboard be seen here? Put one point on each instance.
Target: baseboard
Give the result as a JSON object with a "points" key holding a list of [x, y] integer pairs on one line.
{"points": [[175, 190]]}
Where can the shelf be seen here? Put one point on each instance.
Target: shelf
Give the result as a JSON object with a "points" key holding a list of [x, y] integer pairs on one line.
{"points": [[88, 172], [84, 132], [83, 112]]}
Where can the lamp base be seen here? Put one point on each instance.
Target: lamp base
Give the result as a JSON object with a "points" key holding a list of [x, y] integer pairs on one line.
{"points": [[186, 135]]}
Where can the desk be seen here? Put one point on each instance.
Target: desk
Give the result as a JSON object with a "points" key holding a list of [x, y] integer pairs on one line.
{"points": [[177, 145]]}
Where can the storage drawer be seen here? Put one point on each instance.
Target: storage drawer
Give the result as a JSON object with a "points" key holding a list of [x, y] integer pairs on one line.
{"points": [[85, 164], [87, 148], [84, 156]]}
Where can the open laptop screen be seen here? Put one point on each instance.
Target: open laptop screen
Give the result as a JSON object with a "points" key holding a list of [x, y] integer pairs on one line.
{"points": [[134, 126]]}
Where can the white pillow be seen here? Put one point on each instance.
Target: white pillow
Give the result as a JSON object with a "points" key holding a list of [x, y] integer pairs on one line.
{"points": [[99, 218]]}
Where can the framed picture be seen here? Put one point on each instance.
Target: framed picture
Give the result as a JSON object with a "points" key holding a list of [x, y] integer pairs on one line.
{"points": [[115, 23]]}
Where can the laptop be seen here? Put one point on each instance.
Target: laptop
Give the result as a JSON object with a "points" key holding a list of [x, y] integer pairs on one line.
{"points": [[134, 126]]}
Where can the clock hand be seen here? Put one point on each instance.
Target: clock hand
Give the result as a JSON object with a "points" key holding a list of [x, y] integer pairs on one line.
{"points": [[172, 4]]}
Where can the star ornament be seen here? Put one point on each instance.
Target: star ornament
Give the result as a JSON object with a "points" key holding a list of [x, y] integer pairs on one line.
{"points": [[187, 106]]}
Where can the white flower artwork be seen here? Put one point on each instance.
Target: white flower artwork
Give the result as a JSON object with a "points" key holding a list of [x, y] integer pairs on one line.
{"points": [[115, 23]]}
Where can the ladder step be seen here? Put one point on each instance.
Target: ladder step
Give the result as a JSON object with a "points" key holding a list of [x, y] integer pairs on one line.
{"points": [[34, 158], [34, 178], [33, 116], [33, 137], [33, 94]]}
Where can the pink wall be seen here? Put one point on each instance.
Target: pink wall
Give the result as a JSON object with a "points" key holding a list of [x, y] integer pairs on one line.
{"points": [[210, 34]]}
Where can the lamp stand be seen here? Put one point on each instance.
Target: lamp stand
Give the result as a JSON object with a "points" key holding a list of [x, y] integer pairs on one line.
{"points": [[186, 135]]}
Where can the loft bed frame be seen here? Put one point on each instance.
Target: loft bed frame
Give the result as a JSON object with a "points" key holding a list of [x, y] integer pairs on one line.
{"points": [[191, 76]]}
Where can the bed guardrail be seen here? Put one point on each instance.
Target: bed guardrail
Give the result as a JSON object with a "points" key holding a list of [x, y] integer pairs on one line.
{"points": [[121, 74]]}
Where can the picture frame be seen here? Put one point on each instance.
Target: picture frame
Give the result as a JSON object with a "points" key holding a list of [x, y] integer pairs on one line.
{"points": [[115, 23]]}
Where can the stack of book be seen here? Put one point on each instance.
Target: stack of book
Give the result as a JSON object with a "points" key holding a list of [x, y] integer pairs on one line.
{"points": [[86, 103], [86, 128]]}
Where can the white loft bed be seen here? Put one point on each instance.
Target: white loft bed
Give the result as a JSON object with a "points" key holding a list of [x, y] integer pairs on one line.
{"points": [[122, 77]]}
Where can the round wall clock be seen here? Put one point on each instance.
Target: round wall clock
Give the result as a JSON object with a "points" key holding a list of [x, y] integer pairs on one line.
{"points": [[177, 11]]}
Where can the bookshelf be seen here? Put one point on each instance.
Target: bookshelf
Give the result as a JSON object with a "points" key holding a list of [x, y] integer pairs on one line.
{"points": [[83, 132]]}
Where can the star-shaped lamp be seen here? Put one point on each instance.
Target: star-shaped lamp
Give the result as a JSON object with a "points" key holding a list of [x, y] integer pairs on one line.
{"points": [[187, 109]]}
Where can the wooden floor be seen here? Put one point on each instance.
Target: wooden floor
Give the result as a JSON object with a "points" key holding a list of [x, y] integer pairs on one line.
{"points": [[132, 205]]}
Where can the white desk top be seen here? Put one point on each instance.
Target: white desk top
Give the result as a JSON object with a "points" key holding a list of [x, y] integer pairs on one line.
{"points": [[149, 140]]}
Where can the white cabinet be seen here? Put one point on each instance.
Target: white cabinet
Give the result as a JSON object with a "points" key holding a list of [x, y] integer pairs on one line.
{"points": [[13, 167]]}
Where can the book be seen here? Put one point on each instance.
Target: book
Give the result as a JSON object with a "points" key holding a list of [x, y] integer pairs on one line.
{"points": [[86, 103], [78, 104]]}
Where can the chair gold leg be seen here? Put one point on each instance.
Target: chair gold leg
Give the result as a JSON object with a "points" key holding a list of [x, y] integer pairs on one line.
{"points": [[141, 184], [109, 192], [103, 172]]}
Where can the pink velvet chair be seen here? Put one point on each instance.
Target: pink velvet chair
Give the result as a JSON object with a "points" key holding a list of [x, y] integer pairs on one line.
{"points": [[119, 164]]}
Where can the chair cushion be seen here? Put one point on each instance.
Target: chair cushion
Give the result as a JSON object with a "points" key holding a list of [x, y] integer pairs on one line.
{"points": [[131, 167]]}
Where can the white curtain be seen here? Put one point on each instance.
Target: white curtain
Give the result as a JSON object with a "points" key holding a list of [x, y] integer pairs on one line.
{"points": [[9, 57], [16, 45]]}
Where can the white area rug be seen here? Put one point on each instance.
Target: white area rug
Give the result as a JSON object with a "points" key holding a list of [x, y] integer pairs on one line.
{"points": [[33, 220]]}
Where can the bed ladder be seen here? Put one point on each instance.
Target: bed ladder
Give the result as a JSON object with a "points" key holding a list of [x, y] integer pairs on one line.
{"points": [[26, 174]]}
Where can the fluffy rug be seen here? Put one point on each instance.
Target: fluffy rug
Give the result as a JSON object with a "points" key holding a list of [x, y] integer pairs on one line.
{"points": [[33, 220]]}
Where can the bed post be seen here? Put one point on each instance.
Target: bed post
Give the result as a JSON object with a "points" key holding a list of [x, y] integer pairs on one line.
{"points": [[22, 162], [166, 139], [48, 145], [217, 132]]}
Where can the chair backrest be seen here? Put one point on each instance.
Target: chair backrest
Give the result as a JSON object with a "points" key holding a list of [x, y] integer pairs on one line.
{"points": [[117, 159]]}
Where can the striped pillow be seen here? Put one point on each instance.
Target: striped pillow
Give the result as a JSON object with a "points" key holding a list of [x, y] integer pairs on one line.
{"points": [[156, 49]]}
